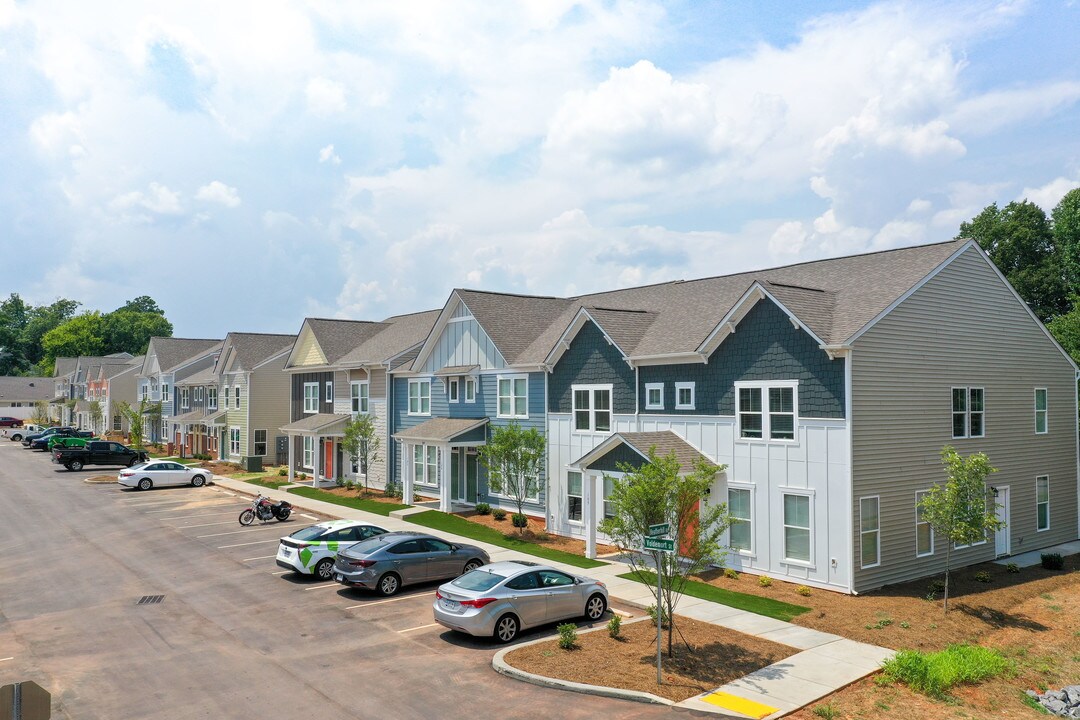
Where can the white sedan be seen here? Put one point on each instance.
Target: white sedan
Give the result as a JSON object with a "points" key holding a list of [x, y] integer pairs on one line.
{"points": [[161, 473], [311, 550]]}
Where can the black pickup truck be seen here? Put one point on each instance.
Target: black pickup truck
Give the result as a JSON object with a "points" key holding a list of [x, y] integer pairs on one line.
{"points": [[98, 452]]}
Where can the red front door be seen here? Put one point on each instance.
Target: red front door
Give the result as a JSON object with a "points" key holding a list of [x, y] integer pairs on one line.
{"points": [[328, 459]]}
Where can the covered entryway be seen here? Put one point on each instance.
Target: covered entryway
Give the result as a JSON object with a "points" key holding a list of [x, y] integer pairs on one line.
{"points": [[314, 445], [439, 456], [464, 474]]}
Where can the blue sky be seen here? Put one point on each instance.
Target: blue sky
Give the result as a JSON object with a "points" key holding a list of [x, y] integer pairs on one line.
{"points": [[250, 164]]}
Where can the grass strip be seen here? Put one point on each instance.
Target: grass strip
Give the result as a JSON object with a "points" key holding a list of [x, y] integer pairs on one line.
{"points": [[272, 484], [768, 607], [936, 673], [356, 503], [460, 526]]}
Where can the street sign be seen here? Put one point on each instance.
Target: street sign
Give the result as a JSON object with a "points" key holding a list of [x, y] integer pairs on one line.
{"points": [[661, 544], [659, 530]]}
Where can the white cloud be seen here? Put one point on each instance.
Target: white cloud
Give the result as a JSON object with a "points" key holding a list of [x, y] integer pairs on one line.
{"points": [[327, 154], [821, 187], [898, 233], [1050, 194], [157, 199], [325, 97], [919, 206], [59, 133], [788, 239], [220, 193]]}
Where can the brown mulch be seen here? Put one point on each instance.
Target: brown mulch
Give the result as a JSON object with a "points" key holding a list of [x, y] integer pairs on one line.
{"points": [[535, 533], [374, 495], [629, 662], [222, 468]]}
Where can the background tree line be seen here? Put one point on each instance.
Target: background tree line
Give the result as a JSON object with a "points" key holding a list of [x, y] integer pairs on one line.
{"points": [[32, 337]]}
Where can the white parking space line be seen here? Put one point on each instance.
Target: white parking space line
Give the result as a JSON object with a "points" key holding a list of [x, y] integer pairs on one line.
{"points": [[223, 522], [257, 542], [309, 517], [237, 532], [192, 517], [227, 493], [261, 557], [323, 587], [189, 509], [282, 572], [6, 659], [418, 627], [382, 602]]}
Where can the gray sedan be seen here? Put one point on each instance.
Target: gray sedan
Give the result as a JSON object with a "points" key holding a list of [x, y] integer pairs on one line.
{"points": [[501, 599], [390, 561]]}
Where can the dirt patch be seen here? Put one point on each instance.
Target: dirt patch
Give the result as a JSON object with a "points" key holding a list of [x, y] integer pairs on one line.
{"points": [[719, 656], [222, 468], [100, 479], [535, 533]]}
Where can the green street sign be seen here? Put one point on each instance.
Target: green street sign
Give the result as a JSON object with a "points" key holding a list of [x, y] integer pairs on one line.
{"points": [[659, 530], [661, 544]]}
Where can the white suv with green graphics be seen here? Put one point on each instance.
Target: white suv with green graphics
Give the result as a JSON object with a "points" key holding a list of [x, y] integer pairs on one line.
{"points": [[311, 551]]}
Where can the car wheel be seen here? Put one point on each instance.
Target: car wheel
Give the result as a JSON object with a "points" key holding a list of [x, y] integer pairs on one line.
{"points": [[75, 465], [324, 569], [133, 462], [506, 628], [389, 584], [595, 607], [472, 565], [146, 484], [198, 481], [16, 437]]}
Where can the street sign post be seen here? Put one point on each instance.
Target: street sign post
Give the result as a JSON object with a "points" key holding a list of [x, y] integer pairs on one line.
{"points": [[661, 544], [659, 530]]}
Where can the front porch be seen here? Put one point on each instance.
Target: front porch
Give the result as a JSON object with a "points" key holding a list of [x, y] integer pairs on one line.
{"points": [[439, 457], [317, 440]]}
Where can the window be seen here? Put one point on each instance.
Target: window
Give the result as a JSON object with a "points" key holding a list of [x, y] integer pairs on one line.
{"points": [[197, 392], [968, 413], [116, 420], [418, 463], [797, 528], [184, 398], [654, 396], [767, 410], [236, 396], [609, 488], [426, 464], [329, 391], [309, 452], [419, 397], [592, 408], [782, 413], [234, 441], [573, 496], [225, 396], [684, 396], [1040, 411], [359, 394], [470, 390], [924, 534], [260, 442], [164, 428], [513, 397], [750, 418], [311, 397], [432, 465], [1042, 502], [165, 392], [211, 398], [452, 391], [870, 531], [740, 532]]}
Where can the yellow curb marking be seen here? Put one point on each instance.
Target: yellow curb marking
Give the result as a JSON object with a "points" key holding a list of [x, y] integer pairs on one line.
{"points": [[739, 705]]}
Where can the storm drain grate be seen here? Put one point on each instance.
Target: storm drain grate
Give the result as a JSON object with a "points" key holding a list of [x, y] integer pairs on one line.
{"points": [[150, 599]]}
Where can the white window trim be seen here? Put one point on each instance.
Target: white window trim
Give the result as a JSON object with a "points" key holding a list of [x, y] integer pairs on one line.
{"points": [[424, 479], [649, 387], [933, 539], [591, 389], [329, 387], [225, 396], [967, 412], [255, 443], [211, 398], [419, 397], [306, 398], [470, 384], [453, 391], [1045, 412], [692, 405], [750, 552], [766, 430], [304, 452], [808, 493], [513, 406], [876, 499], [234, 441], [165, 396], [570, 520], [1037, 503], [184, 400], [361, 398]]}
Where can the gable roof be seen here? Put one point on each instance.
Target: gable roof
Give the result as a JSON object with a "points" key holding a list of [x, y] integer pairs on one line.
{"points": [[337, 337], [664, 442], [24, 389], [206, 376], [515, 323], [397, 334], [251, 349], [64, 366]]}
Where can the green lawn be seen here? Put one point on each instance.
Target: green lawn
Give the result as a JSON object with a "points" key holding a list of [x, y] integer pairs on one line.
{"points": [[371, 506], [272, 484], [460, 526], [182, 461], [751, 603]]}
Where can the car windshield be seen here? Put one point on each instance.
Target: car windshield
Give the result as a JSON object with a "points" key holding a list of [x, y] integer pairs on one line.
{"points": [[308, 533], [365, 547], [479, 580], [140, 466]]}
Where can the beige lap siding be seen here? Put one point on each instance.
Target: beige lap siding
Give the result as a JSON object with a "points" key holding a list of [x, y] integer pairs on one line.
{"points": [[963, 328]]}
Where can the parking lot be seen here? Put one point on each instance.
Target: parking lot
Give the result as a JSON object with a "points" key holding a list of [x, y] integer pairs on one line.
{"points": [[232, 634]]}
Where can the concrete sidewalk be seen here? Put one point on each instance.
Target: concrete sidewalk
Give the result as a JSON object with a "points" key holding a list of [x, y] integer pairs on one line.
{"points": [[826, 664]]}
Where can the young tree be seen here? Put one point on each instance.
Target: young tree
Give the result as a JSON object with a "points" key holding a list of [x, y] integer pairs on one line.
{"points": [[95, 414], [361, 444], [70, 405], [41, 413], [662, 491], [134, 417], [962, 510], [152, 412], [514, 459]]}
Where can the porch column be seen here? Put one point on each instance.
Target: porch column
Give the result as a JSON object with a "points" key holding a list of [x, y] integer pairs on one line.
{"points": [[588, 512], [292, 464], [316, 472], [445, 502], [407, 474]]}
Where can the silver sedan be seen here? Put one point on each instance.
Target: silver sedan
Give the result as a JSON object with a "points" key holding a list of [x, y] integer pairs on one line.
{"points": [[504, 598], [388, 562]]}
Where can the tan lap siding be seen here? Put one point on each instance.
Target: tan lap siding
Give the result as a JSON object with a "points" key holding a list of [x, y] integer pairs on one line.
{"points": [[963, 328], [269, 398]]}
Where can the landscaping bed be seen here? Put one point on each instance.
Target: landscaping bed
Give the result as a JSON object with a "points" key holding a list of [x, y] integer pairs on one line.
{"points": [[535, 533], [348, 498], [629, 662]]}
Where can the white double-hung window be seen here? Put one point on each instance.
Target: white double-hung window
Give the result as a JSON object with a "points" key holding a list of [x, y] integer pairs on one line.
{"points": [[924, 534], [184, 398], [968, 412], [767, 410], [654, 396], [870, 531], [513, 396], [420, 397], [1040, 411], [1042, 503], [359, 393], [311, 397], [797, 528], [426, 464], [234, 441], [573, 496], [592, 408], [470, 390], [740, 532], [309, 449]]}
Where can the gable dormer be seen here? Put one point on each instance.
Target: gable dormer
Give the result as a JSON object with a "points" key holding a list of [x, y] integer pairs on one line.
{"points": [[458, 339], [306, 350]]}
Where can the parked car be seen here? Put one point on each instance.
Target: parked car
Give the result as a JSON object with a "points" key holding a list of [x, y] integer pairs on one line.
{"points": [[10, 422], [502, 599], [18, 433], [42, 443], [388, 562], [311, 550], [160, 473], [31, 437], [99, 452]]}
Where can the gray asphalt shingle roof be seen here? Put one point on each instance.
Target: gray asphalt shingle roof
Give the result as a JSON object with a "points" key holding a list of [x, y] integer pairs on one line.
{"points": [[440, 429], [395, 335], [25, 389], [254, 348], [173, 352], [337, 338]]}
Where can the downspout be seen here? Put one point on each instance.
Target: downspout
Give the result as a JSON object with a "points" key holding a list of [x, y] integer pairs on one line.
{"points": [[637, 399], [849, 372], [1076, 434], [547, 463]]}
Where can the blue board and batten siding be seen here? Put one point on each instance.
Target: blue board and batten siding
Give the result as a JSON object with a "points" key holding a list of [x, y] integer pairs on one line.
{"points": [[464, 342]]}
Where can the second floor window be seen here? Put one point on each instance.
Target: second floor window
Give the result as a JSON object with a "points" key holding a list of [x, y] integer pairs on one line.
{"points": [[164, 392], [211, 398], [184, 398], [766, 412], [513, 397], [968, 413], [592, 408], [311, 397], [419, 397], [470, 390], [1040, 411], [359, 393], [236, 391], [452, 391]]}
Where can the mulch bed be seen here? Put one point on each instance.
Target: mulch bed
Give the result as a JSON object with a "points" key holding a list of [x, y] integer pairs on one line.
{"points": [[535, 533], [374, 495], [629, 662]]}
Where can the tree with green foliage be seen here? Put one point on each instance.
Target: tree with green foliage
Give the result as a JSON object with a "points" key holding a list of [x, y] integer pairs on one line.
{"points": [[962, 510], [14, 314], [1066, 221], [83, 334], [662, 491], [151, 410], [95, 414], [141, 304], [134, 417], [128, 331], [41, 413], [361, 444], [1066, 330], [514, 460]]}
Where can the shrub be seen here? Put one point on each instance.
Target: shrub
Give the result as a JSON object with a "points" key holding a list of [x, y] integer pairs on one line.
{"points": [[567, 636], [934, 674], [731, 574], [393, 490], [301, 476], [765, 581], [1052, 561], [1012, 567], [651, 610], [282, 471], [520, 520], [803, 590], [936, 586], [826, 711], [614, 626], [483, 509], [984, 577], [498, 514], [349, 484]]}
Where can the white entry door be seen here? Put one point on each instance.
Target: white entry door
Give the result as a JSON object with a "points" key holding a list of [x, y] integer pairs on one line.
{"points": [[1001, 536]]}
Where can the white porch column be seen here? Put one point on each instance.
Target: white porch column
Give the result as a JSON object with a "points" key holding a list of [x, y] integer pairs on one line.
{"points": [[445, 503], [588, 511], [292, 464], [407, 474], [317, 471]]}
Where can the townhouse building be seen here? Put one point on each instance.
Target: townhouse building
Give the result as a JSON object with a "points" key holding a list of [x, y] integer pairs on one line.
{"points": [[168, 360]]}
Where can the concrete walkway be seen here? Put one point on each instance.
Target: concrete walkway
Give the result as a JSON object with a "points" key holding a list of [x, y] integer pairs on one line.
{"points": [[1034, 557], [826, 664]]}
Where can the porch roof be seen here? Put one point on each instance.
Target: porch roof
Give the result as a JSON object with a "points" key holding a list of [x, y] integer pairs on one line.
{"points": [[212, 418], [665, 442], [195, 416], [317, 424], [440, 429], [455, 370]]}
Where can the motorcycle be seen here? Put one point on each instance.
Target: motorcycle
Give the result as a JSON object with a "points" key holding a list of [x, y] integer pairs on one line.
{"points": [[263, 509]]}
